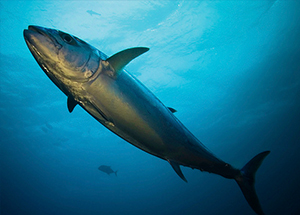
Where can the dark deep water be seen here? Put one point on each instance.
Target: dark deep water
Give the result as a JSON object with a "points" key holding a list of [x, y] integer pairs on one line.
{"points": [[230, 68]]}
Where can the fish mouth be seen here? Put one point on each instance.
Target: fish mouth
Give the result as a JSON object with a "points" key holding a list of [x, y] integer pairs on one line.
{"points": [[31, 29], [34, 32], [42, 45]]}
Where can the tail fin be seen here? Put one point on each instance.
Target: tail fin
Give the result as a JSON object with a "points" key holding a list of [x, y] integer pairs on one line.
{"points": [[116, 173], [246, 181]]}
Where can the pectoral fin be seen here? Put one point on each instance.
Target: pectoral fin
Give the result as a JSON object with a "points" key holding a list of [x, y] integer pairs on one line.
{"points": [[71, 103], [119, 60], [177, 169]]}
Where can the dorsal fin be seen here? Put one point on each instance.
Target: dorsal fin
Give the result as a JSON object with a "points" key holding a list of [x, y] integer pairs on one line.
{"points": [[119, 60], [71, 103], [172, 110], [177, 169]]}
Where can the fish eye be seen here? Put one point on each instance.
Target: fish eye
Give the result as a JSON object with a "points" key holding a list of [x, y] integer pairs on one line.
{"points": [[67, 38]]}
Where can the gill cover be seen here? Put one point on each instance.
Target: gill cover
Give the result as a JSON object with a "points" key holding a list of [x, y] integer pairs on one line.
{"points": [[117, 61], [77, 56]]}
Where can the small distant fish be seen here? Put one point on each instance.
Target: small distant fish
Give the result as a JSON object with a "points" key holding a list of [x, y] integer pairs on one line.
{"points": [[48, 126], [93, 13], [44, 129], [107, 169]]}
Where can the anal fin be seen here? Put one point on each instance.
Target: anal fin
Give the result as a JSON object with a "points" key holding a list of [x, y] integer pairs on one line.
{"points": [[177, 169], [71, 103]]}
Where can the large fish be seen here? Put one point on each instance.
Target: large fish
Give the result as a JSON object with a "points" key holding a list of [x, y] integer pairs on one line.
{"points": [[101, 86]]}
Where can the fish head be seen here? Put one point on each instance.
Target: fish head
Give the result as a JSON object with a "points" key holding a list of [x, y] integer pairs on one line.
{"points": [[62, 56]]}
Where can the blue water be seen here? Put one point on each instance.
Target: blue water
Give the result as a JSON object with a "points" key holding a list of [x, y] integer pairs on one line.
{"points": [[230, 68]]}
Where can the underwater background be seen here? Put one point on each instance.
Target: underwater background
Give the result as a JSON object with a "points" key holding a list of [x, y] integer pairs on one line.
{"points": [[230, 68]]}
